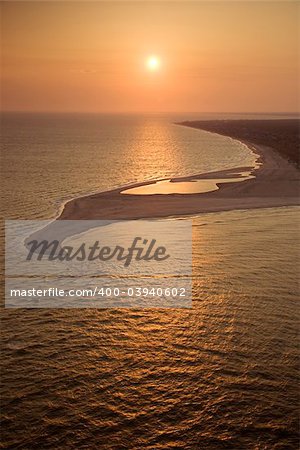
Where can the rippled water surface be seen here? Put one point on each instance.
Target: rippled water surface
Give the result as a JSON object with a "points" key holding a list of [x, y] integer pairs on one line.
{"points": [[60, 156], [222, 375]]}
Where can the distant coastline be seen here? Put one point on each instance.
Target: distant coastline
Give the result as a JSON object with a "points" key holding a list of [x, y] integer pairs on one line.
{"points": [[276, 183], [282, 135]]}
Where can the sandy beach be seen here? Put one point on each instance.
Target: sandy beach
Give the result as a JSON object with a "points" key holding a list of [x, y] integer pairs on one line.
{"points": [[276, 184], [282, 135]]}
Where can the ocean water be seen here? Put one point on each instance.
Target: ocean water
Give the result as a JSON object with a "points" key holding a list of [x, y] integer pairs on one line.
{"points": [[222, 375], [57, 157]]}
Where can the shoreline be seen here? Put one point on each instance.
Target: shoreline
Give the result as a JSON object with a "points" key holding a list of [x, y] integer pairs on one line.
{"points": [[281, 135], [62, 204], [276, 184]]}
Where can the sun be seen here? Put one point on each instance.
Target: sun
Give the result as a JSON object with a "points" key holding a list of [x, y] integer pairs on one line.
{"points": [[153, 63]]}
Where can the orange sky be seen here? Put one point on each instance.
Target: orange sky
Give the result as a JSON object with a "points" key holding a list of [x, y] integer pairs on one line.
{"points": [[90, 56]]}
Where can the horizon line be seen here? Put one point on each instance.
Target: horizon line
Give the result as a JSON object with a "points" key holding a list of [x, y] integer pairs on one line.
{"points": [[146, 112]]}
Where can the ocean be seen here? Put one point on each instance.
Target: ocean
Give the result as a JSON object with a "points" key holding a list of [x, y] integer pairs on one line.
{"points": [[221, 375]]}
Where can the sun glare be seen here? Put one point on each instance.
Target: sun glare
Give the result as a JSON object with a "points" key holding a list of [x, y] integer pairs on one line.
{"points": [[153, 63]]}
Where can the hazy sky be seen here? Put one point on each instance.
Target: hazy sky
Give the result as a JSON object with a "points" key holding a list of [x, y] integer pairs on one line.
{"points": [[91, 56]]}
